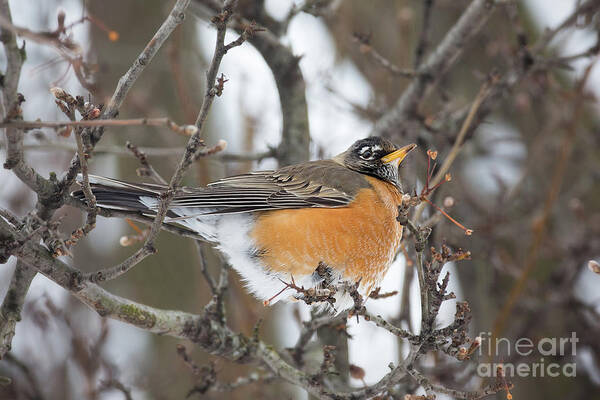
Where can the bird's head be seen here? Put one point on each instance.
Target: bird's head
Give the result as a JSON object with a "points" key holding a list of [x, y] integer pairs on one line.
{"points": [[375, 156]]}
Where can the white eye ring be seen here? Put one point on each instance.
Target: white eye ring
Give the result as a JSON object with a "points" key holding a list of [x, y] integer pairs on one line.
{"points": [[366, 154]]}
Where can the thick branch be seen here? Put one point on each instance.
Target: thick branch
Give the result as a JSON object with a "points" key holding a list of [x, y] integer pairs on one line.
{"points": [[10, 311], [14, 58], [214, 337], [294, 147], [10, 106]]}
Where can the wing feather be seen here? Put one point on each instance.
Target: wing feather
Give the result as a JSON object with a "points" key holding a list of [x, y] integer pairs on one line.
{"points": [[316, 184], [313, 184]]}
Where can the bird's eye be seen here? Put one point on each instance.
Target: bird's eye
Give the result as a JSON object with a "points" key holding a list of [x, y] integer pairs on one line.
{"points": [[366, 155]]}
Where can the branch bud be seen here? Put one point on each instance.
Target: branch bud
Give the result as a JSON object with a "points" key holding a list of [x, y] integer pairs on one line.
{"points": [[125, 241], [594, 266], [432, 154], [448, 202]]}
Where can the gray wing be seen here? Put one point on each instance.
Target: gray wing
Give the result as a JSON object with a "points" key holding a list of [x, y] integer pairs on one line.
{"points": [[315, 184]]}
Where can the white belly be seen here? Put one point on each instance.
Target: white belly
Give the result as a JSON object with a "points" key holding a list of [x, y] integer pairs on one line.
{"points": [[230, 233]]}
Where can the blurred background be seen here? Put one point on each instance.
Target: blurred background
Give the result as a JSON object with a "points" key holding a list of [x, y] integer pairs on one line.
{"points": [[502, 182]]}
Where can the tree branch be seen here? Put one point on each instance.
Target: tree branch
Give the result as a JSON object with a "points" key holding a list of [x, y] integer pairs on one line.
{"points": [[435, 66], [424, 35], [10, 107], [176, 17], [294, 146], [192, 150], [204, 329], [149, 151], [10, 311], [180, 129]]}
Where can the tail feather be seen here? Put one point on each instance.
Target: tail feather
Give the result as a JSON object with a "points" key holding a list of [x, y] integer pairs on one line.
{"points": [[144, 198], [115, 194]]}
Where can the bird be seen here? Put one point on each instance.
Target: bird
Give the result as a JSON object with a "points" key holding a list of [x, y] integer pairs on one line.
{"points": [[310, 226]]}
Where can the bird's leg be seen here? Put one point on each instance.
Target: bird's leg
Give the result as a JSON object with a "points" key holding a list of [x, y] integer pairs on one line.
{"points": [[309, 296], [352, 290], [324, 275]]}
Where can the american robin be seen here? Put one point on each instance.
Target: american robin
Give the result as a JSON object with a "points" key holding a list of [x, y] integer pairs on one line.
{"points": [[328, 222]]}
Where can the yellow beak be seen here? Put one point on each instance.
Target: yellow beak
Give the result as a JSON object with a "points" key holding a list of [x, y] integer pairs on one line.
{"points": [[399, 154]]}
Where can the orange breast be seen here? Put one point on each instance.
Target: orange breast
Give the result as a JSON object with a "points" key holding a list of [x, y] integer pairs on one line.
{"points": [[359, 241]]}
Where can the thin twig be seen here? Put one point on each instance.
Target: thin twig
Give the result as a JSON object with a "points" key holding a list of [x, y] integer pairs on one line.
{"points": [[365, 47], [118, 385], [149, 151], [393, 68], [59, 40], [409, 272], [85, 183], [308, 330], [92, 209], [294, 146], [211, 75], [52, 39], [180, 129], [29, 375], [423, 41], [118, 270], [457, 146], [474, 395], [176, 17], [420, 235], [382, 323], [189, 362], [484, 91], [212, 285], [147, 169], [582, 9], [423, 381]]}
